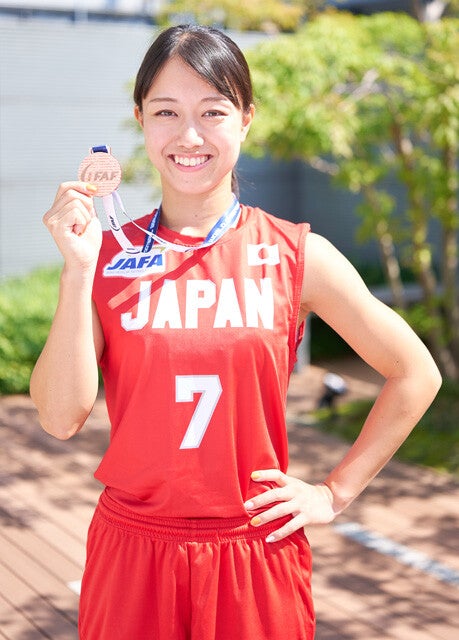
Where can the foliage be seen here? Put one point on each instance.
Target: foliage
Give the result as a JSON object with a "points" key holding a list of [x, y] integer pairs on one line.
{"points": [[26, 308], [433, 443], [380, 98], [256, 15], [275, 15]]}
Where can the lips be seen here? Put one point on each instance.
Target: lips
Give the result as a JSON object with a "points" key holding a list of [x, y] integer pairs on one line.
{"points": [[190, 161]]}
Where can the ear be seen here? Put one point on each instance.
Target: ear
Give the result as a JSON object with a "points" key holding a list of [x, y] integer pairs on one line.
{"points": [[138, 115], [247, 118]]}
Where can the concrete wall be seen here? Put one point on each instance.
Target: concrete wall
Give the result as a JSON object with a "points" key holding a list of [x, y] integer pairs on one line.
{"points": [[63, 89]]}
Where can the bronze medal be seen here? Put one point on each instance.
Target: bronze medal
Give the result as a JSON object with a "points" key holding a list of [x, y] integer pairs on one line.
{"points": [[102, 170]]}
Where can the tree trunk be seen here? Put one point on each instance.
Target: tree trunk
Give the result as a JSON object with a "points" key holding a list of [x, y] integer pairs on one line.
{"points": [[392, 268], [450, 249], [428, 11], [386, 243], [422, 259]]}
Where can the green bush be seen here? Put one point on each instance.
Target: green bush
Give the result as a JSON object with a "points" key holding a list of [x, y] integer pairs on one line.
{"points": [[27, 306], [325, 343], [433, 443]]}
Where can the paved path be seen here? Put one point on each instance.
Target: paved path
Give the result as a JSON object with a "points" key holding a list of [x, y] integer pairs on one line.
{"points": [[387, 569]]}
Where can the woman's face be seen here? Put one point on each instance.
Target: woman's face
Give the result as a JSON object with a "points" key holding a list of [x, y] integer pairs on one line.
{"points": [[192, 133]]}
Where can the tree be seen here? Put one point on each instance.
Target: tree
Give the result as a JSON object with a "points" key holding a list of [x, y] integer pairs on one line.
{"points": [[363, 98], [280, 15], [256, 15]]}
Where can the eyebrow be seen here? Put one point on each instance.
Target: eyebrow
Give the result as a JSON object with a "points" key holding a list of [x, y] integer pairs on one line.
{"points": [[216, 98]]}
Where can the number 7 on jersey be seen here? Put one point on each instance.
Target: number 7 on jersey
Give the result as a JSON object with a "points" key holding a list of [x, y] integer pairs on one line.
{"points": [[210, 389]]}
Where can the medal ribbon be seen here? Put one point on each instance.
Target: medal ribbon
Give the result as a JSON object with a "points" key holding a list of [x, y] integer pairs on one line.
{"points": [[225, 222]]}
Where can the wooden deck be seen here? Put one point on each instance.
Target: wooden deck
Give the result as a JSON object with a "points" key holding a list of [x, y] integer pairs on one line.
{"points": [[47, 496]]}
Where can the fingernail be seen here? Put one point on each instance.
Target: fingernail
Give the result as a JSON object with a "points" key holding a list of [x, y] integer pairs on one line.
{"points": [[255, 521], [91, 187], [249, 504], [270, 538], [255, 475]]}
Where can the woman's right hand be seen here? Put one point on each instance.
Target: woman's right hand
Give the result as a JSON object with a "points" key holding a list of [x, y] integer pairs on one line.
{"points": [[73, 223]]}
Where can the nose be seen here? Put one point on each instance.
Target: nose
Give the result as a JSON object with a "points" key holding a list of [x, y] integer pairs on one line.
{"points": [[190, 136]]}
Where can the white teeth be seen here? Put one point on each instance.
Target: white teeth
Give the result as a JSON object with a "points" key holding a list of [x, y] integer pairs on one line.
{"points": [[190, 162]]}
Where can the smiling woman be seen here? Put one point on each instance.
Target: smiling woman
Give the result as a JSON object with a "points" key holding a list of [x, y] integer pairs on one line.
{"points": [[196, 330]]}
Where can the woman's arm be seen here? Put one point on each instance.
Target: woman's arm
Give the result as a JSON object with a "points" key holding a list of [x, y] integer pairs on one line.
{"points": [[335, 292], [64, 382]]}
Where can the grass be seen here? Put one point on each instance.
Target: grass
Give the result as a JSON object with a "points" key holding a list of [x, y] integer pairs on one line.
{"points": [[433, 443]]}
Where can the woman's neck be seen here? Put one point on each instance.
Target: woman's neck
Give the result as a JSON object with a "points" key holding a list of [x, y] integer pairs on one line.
{"points": [[194, 216]]}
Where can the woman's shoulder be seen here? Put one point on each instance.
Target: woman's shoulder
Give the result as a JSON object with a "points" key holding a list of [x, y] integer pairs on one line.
{"points": [[328, 272]]}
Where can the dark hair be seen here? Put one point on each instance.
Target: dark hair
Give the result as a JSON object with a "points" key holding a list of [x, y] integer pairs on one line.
{"points": [[211, 53]]}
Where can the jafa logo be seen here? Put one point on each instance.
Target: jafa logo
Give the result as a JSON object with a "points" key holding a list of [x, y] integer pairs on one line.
{"points": [[128, 265]]}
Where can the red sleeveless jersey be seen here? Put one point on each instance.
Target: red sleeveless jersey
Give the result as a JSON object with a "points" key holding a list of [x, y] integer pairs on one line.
{"points": [[199, 348]]}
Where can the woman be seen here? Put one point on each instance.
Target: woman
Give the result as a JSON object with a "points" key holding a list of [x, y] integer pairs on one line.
{"points": [[199, 531]]}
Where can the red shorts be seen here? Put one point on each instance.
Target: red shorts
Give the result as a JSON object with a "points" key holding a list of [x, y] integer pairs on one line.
{"points": [[180, 579]]}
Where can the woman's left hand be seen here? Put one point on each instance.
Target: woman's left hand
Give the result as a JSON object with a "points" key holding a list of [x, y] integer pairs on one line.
{"points": [[306, 503]]}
